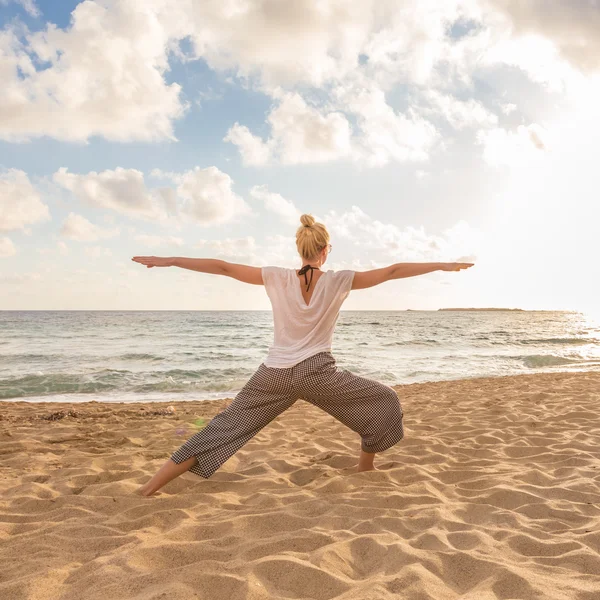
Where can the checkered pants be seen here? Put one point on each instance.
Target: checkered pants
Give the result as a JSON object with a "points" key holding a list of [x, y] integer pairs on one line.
{"points": [[368, 407]]}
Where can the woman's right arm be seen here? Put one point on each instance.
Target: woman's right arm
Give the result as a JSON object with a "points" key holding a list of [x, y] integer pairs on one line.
{"points": [[366, 279], [203, 265], [215, 266]]}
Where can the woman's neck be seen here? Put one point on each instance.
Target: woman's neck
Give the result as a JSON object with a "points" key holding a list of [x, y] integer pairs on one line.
{"points": [[314, 264]]}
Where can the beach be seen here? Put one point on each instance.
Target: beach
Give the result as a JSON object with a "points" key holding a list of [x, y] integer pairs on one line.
{"points": [[494, 492]]}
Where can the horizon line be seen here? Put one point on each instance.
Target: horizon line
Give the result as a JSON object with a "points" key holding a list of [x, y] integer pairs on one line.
{"points": [[270, 310]]}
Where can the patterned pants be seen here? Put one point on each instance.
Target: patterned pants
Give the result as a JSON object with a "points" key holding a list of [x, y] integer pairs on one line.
{"points": [[368, 407]]}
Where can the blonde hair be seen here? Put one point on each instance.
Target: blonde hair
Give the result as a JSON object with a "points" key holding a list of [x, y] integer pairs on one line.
{"points": [[311, 237]]}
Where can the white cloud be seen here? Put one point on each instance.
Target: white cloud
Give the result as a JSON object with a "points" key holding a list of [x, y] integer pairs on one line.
{"points": [[380, 243], [61, 248], [279, 249], [458, 113], [121, 190], [535, 55], [158, 240], [254, 151], [231, 247], [271, 250], [303, 134], [386, 135], [208, 196], [508, 108], [204, 195], [572, 26], [78, 228], [18, 278], [97, 251], [308, 42], [7, 248], [504, 147], [406, 245], [20, 203], [102, 75], [299, 134], [277, 204]]}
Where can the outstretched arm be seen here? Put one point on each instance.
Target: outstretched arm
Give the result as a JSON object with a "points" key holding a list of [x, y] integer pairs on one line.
{"points": [[365, 279], [244, 273]]}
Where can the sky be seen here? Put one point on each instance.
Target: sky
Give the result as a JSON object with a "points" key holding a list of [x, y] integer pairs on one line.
{"points": [[416, 130]]}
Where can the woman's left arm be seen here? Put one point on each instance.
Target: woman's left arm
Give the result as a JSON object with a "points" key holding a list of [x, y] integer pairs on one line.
{"points": [[215, 266]]}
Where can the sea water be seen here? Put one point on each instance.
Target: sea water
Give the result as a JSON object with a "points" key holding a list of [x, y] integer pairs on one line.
{"points": [[135, 356]]}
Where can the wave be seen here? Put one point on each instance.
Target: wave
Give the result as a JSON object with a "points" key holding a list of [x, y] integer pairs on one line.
{"points": [[139, 356], [547, 360], [55, 357], [115, 380], [425, 342], [568, 341]]}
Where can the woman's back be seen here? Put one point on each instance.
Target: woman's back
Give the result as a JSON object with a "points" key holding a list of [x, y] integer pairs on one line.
{"points": [[303, 323]]}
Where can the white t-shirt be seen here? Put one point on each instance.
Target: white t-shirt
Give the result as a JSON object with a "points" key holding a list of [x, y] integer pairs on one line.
{"points": [[301, 330]]}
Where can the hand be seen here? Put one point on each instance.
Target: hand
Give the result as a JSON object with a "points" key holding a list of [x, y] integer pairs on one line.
{"points": [[153, 261], [455, 266]]}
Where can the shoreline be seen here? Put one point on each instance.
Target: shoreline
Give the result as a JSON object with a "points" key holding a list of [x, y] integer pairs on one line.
{"points": [[482, 378]]}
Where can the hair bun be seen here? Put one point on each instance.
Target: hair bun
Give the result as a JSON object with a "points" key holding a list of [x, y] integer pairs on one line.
{"points": [[307, 220]]}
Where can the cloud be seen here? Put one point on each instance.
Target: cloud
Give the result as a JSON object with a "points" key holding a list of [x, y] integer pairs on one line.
{"points": [[277, 204], [78, 228], [459, 113], [231, 247], [121, 190], [97, 251], [388, 241], [502, 147], [385, 134], [158, 240], [101, 75], [380, 243], [254, 151], [203, 195], [7, 248], [307, 42], [18, 278], [329, 66], [317, 42], [61, 248], [20, 203], [303, 134], [572, 26], [299, 134], [271, 250], [207, 196]]}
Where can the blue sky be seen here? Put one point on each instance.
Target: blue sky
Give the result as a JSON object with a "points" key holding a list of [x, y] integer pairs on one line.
{"points": [[417, 131]]}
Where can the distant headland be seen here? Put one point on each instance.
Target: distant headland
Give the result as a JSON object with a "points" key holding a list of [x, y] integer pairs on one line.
{"points": [[480, 309]]}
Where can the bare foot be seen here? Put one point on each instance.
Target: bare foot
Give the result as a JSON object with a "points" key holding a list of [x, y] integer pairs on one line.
{"points": [[359, 470]]}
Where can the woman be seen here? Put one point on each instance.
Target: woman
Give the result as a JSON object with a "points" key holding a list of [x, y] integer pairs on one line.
{"points": [[299, 364]]}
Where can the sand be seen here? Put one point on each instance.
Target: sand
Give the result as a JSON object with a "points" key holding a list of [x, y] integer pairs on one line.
{"points": [[493, 493]]}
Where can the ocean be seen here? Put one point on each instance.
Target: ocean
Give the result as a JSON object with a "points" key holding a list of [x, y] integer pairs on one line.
{"points": [[140, 356]]}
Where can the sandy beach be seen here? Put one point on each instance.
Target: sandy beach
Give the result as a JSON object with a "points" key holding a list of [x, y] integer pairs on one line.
{"points": [[493, 493]]}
